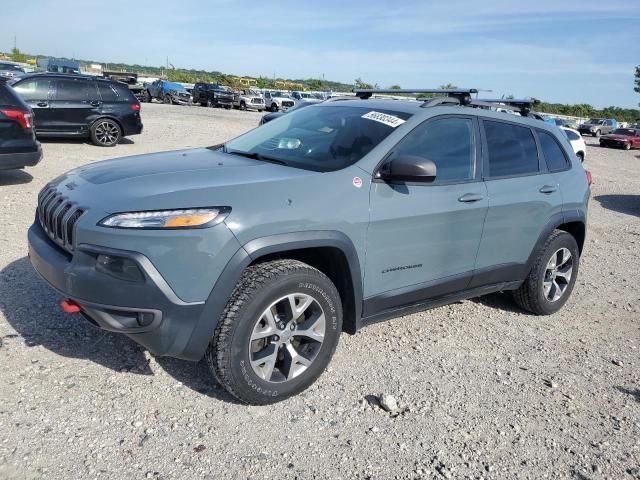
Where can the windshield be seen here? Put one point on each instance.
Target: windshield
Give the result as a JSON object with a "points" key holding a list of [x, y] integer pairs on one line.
{"points": [[595, 121], [320, 138], [279, 94], [624, 131], [174, 86], [11, 67]]}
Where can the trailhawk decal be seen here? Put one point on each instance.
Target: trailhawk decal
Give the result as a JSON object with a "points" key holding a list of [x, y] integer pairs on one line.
{"points": [[388, 120]]}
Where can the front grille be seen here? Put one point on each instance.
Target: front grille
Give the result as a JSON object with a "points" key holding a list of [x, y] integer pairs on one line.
{"points": [[287, 103], [183, 95], [58, 216], [257, 100]]}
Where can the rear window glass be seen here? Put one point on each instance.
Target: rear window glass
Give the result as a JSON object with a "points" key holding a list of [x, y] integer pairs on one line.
{"points": [[75, 90], [553, 154], [319, 138], [7, 96], [512, 149]]}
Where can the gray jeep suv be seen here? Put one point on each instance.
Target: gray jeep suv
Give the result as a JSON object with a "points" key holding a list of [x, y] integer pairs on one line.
{"points": [[258, 253]]}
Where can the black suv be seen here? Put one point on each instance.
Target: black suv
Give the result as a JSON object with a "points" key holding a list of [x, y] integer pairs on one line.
{"points": [[18, 145], [209, 95], [81, 106]]}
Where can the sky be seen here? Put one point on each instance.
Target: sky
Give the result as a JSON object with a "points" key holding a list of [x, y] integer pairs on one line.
{"points": [[566, 51]]}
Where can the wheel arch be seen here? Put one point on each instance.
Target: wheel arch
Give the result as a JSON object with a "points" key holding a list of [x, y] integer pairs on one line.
{"points": [[573, 222], [328, 251]]}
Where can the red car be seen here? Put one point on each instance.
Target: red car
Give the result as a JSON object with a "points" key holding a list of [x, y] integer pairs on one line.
{"points": [[626, 138]]}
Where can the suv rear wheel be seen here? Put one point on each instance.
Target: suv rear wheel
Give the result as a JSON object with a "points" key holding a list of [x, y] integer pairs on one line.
{"points": [[106, 133], [597, 133], [278, 332], [553, 276]]}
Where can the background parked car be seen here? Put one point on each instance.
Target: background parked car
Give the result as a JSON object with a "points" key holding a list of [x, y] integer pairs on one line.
{"points": [[278, 101], [577, 142], [302, 95], [167, 92], [58, 65], [301, 104], [249, 99], [211, 95], [80, 106], [598, 126], [626, 138], [18, 145], [11, 70]]}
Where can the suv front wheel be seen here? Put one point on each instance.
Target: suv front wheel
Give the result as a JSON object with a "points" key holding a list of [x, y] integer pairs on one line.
{"points": [[277, 333], [553, 276]]}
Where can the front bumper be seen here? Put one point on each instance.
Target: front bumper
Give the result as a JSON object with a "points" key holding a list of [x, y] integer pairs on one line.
{"points": [[181, 100], [147, 311], [20, 160]]}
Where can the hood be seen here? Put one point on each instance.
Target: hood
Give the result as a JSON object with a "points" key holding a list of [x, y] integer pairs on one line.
{"points": [[178, 179]]}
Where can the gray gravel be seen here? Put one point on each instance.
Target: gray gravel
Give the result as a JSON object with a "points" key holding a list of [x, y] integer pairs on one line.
{"points": [[482, 390]]}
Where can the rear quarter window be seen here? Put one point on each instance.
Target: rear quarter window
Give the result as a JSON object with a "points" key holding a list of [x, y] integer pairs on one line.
{"points": [[553, 153], [512, 149], [114, 92]]}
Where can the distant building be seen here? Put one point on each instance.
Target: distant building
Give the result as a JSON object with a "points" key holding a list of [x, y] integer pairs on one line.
{"points": [[59, 65]]}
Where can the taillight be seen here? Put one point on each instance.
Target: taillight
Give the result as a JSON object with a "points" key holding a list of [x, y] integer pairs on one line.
{"points": [[24, 119], [135, 107], [589, 177]]}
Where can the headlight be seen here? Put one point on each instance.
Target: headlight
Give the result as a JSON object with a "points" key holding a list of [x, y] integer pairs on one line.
{"points": [[169, 219], [173, 92]]}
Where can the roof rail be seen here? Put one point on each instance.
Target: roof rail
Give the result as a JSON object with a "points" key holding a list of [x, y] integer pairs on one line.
{"points": [[463, 95], [523, 106]]}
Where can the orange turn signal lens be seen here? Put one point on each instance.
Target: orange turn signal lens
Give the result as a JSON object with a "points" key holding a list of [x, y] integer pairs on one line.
{"points": [[189, 220]]}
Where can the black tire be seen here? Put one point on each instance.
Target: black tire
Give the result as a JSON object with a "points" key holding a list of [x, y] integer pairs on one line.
{"points": [[146, 97], [229, 356], [531, 295], [597, 133], [274, 107], [106, 132], [167, 99], [210, 103], [227, 107], [204, 104], [243, 106], [627, 146]]}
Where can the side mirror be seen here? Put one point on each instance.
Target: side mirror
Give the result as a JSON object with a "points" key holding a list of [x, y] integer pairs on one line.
{"points": [[408, 168]]}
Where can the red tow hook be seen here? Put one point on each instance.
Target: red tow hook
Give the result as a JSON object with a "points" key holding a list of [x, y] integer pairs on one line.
{"points": [[69, 306]]}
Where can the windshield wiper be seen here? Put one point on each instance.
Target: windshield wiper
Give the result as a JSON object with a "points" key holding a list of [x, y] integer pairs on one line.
{"points": [[255, 156]]}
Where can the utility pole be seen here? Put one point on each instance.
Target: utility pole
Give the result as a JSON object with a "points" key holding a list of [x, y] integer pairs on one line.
{"points": [[15, 41]]}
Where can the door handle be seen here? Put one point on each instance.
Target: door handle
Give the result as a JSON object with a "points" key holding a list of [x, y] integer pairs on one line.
{"points": [[470, 198], [42, 104], [96, 103], [548, 189]]}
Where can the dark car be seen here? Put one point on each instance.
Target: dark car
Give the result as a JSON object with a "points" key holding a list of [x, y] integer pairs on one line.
{"points": [[18, 145], [626, 138], [210, 95], [301, 104], [81, 106]]}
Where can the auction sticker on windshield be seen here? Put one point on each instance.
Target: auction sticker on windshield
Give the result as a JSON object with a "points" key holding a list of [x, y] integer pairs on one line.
{"points": [[385, 118]]}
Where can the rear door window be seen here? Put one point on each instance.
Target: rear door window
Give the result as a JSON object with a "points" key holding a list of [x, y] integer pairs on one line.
{"points": [[553, 154], [75, 90], [512, 149]]}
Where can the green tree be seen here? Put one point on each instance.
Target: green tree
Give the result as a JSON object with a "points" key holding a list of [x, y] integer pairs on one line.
{"points": [[448, 86], [637, 81], [18, 56], [362, 85], [395, 86]]}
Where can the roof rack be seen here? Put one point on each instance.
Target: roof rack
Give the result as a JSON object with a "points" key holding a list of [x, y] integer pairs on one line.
{"points": [[523, 106], [462, 95]]}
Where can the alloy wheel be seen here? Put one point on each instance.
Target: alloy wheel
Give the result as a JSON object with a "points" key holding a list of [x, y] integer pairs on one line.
{"points": [[287, 338], [107, 133], [557, 276]]}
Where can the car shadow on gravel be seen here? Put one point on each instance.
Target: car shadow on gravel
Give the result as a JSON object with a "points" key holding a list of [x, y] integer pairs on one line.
{"points": [[14, 177], [80, 140], [502, 301], [627, 204], [31, 307], [633, 392]]}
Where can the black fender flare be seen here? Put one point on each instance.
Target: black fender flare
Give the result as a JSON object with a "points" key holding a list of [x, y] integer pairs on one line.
{"points": [[254, 250], [554, 222]]}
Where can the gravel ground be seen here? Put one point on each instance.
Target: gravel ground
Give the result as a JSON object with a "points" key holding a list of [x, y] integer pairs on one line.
{"points": [[484, 391]]}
